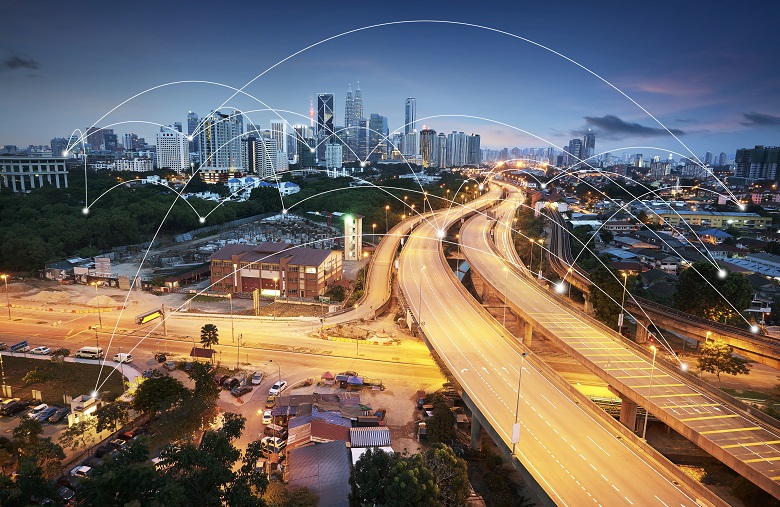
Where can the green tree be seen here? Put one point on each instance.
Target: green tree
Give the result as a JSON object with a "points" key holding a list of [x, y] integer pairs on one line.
{"points": [[112, 416], [35, 376], [391, 480], [606, 293], [705, 294], [27, 436], [209, 335], [718, 357], [441, 426], [159, 394], [80, 434], [450, 473]]}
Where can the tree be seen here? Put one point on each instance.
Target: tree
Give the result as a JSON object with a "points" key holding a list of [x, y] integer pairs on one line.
{"points": [[279, 495], [450, 473], [441, 426], [112, 416], [701, 292], [209, 336], [606, 293], [27, 436], [159, 394], [718, 357], [35, 376], [80, 434], [391, 480]]}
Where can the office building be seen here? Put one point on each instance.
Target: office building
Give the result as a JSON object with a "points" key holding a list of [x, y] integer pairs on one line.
{"points": [[192, 125], [58, 146], [589, 147], [473, 154], [574, 152], [19, 172], [172, 149], [428, 147], [279, 134], [441, 150], [325, 122], [759, 163], [377, 138], [220, 141], [456, 149], [333, 156], [410, 115], [260, 155]]}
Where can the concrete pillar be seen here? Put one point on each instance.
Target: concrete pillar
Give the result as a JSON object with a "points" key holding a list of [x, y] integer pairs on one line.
{"points": [[66, 180], [628, 413], [528, 334], [476, 433], [588, 305], [641, 332]]}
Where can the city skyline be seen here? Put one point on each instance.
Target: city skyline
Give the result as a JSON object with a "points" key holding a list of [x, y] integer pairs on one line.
{"points": [[717, 93]]}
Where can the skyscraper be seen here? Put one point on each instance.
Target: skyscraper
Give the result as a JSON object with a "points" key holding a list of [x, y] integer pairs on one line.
{"points": [[473, 154], [261, 156], [441, 150], [759, 163], [350, 124], [279, 134], [456, 149], [411, 115], [58, 146], [324, 126], [589, 147], [575, 153], [220, 140], [377, 137], [172, 149], [428, 147], [192, 124], [358, 102]]}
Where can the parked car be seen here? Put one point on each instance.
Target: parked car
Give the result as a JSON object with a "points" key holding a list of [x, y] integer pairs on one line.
{"points": [[160, 357], [41, 351], [123, 358], [59, 415], [65, 493], [81, 471], [278, 388], [272, 444], [70, 481], [221, 378], [102, 451], [270, 401], [118, 444], [257, 377], [240, 391], [36, 411], [267, 417], [45, 414], [3, 345], [231, 383], [94, 462], [170, 365], [188, 366], [13, 408]]}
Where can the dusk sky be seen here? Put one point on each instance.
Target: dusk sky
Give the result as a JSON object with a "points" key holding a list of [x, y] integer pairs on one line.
{"points": [[708, 71]]}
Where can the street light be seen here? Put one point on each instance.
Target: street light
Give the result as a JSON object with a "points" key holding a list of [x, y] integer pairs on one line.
{"points": [[622, 304], [531, 265], [387, 227], [97, 296], [516, 427], [7, 299], [649, 388], [373, 232], [232, 335]]}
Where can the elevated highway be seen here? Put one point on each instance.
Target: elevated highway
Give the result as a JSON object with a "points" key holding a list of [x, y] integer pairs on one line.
{"points": [[746, 443], [573, 454]]}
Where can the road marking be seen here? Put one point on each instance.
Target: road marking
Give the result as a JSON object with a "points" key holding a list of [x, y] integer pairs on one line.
{"points": [[707, 417], [548, 401], [765, 442], [656, 497], [750, 428], [597, 445], [627, 500]]}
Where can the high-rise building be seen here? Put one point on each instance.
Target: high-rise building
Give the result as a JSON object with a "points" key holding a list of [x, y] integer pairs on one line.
{"points": [[172, 149], [456, 149], [220, 141], [639, 160], [589, 147], [377, 137], [708, 158], [441, 150], [279, 134], [192, 124], [409, 144], [428, 147], [411, 115], [472, 150], [333, 156], [349, 133], [325, 121], [260, 156], [58, 146], [722, 158], [130, 142], [574, 152], [759, 163], [361, 144]]}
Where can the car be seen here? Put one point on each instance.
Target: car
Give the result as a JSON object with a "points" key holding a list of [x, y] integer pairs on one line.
{"points": [[13, 408], [35, 412], [267, 417], [102, 451], [43, 351], [119, 444], [59, 415], [70, 482], [170, 365], [160, 357], [3, 345], [221, 378], [240, 391], [94, 462], [81, 471], [65, 493], [278, 388], [270, 401], [272, 444], [45, 414], [231, 383], [123, 358], [188, 366], [257, 378]]}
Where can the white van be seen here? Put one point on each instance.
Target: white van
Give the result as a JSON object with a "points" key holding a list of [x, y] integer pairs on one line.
{"points": [[90, 352], [123, 358]]}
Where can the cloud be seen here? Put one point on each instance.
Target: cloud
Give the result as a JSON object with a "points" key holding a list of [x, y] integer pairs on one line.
{"points": [[760, 120], [686, 120], [18, 62], [612, 127]]}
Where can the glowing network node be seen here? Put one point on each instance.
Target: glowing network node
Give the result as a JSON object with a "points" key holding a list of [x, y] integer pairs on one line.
{"points": [[440, 233], [202, 220], [190, 138], [754, 328], [481, 186], [559, 288], [683, 367], [311, 150], [85, 211], [94, 394], [362, 164], [742, 207], [284, 211], [722, 273], [544, 185], [65, 153]]}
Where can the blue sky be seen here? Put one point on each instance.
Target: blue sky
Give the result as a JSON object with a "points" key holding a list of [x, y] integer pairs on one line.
{"points": [[707, 72]]}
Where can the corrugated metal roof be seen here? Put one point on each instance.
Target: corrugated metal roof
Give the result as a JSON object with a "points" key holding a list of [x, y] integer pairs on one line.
{"points": [[369, 437], [324, 469]]}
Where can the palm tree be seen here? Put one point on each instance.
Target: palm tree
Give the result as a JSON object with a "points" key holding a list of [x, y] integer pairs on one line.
{"points": [[209, 336]]}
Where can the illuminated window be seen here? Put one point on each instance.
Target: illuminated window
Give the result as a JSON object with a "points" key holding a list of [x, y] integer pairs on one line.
{"points": [[310, 270]]}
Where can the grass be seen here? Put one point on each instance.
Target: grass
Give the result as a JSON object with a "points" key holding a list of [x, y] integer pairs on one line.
{"points": [[73, 379]]}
